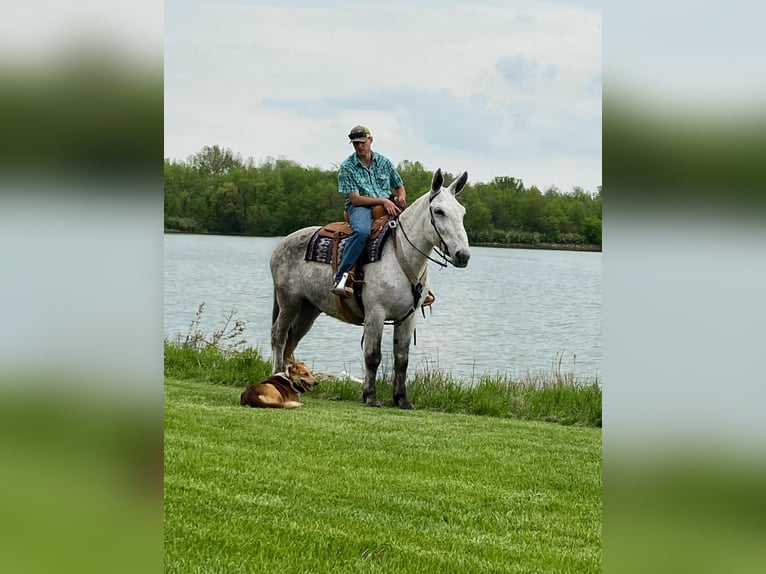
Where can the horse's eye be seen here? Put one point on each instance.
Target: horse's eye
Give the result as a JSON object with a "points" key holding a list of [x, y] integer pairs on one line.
{"points": [[439, 211]]}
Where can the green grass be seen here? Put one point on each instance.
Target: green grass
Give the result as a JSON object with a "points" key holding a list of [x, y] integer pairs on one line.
{"points": [[549, 400], [339, 487], [212, 365], [556, 397]]}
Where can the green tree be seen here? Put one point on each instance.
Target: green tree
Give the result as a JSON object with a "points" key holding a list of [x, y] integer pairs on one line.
{"points": [[532, 209], [551, 221], [592, 230], [417, 180], [226, 214], [478, 217], [215, 191], [214, 160]]}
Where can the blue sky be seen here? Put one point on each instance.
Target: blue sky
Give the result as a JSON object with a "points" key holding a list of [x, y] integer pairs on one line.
{"points": [[495, 88]]}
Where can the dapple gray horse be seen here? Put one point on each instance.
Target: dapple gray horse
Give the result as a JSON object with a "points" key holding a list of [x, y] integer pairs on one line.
{"points": [[393, 290]]}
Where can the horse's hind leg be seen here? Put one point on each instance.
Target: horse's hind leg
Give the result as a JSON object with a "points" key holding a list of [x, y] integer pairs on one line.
{"points": [[285, 312], [402, 337], [301, 325]]}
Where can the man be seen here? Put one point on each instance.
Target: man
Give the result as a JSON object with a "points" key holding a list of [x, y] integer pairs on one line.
{"points": [[366, 178]]}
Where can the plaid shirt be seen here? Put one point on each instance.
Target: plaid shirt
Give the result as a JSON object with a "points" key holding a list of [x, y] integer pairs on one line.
{"points": [[377, 181]]}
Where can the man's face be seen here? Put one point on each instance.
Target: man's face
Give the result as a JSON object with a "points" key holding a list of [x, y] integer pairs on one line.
{"points": [[362, 148]]}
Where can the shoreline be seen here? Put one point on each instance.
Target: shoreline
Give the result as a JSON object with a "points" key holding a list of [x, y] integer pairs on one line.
{"points": [[549, 246]]}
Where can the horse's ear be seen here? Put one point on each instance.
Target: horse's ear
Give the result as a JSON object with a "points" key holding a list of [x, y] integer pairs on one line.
{"points": [[437, 182], [457, 186]]}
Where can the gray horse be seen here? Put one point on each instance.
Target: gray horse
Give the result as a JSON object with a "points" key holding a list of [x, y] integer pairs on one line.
{"points": [[394, 286]]}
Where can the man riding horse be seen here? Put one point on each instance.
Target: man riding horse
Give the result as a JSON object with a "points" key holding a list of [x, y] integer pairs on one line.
{"points": [[394, 286], [366, 178]]}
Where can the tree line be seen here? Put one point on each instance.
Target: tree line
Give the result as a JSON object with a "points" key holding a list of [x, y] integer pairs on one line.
{"points": [[215, 191]]}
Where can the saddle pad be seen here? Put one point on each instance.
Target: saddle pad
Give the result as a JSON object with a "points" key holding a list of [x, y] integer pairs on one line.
{"points": [[319, 248]]}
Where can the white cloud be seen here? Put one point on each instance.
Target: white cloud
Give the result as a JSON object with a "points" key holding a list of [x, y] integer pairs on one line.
{"points": [[271, 79]]}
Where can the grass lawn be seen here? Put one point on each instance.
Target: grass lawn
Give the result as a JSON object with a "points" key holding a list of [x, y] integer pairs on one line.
{"points": [[340, 487]]}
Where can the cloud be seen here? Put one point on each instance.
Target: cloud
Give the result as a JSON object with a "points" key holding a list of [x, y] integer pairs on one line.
{"points": [[469, 125], [517, 69], [509, 89], [439, 118], [550, 72]]}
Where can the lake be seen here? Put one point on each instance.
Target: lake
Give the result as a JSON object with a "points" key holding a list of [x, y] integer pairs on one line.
{"points": [[510, 312]]}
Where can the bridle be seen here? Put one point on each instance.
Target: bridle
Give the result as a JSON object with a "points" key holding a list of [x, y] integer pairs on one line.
{"points": [[443, 252], [417, 282]]}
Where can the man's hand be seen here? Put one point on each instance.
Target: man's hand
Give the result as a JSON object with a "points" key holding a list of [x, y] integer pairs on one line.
{"points": [[390, 207], [401, 199]]}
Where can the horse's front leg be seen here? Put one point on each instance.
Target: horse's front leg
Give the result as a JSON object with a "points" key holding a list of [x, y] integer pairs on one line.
{"points": [[373, 333], [402, 337]]}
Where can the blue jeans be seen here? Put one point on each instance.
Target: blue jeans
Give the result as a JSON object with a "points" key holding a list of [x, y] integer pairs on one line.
{"points": [[360, 219]]}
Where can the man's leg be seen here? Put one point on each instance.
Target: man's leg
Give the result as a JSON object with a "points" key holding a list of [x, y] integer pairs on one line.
{"points": [[360, 219]]}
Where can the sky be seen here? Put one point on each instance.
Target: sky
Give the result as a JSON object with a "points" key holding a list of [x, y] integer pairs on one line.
{"points": [[495, 88]]}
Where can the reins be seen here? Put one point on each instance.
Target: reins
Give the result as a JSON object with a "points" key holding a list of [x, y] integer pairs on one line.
{"points": [[416, 283], [396, 223]]}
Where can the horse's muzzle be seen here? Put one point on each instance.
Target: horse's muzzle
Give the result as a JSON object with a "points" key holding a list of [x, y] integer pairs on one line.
{"points": [[461, 258]]}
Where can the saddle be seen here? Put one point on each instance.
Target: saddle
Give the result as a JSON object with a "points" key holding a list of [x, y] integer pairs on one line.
{"points": [[339, 230], [326, 246]]}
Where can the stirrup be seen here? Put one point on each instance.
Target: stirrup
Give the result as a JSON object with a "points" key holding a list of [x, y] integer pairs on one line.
{"points": [[342, 289]]}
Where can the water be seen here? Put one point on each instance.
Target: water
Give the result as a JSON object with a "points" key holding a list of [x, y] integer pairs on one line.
{"points": [[511, 311]]}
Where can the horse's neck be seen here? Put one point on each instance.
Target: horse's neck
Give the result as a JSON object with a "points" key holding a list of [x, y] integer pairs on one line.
{"points": [[416, 222]]}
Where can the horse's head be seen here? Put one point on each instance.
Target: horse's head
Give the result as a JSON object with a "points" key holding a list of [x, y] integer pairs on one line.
{"points": [[447, 217]]}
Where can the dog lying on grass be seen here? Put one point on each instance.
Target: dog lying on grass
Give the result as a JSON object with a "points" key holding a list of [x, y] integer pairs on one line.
{"points": [[280, 390]]}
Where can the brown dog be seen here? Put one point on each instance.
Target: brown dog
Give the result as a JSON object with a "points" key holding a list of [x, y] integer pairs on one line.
{"points": [[280, 390]]}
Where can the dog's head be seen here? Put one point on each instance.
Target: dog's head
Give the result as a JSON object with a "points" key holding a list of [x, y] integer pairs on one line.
{"points": [[300, 375], [245, 397]]}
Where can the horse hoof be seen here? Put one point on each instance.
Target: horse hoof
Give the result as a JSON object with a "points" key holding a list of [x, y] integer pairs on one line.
{"points": [[405, 405], [371, 400]]}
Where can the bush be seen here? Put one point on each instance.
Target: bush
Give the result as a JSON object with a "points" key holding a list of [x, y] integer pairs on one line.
{"points": [[571, 238], [187, 224]]}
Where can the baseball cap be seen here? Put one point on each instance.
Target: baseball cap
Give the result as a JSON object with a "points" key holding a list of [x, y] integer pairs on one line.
{"points": [[359, 134]]}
